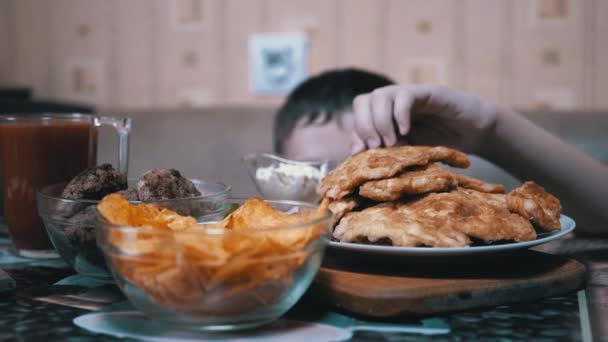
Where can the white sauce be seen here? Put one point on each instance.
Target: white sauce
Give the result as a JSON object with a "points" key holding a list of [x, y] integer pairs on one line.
{"points": [[290, 181]]}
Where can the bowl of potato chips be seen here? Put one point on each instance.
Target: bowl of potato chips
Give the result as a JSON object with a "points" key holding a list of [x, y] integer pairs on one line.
{"points": [[245, 269]]}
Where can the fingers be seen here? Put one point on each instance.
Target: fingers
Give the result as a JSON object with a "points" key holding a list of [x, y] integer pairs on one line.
{"points": [[382, 116], [364, 123], [402, 112], [374, 122], [357, 145], [377, 114]]}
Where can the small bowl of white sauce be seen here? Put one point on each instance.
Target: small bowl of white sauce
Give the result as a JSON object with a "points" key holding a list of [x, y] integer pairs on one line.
{"points": [[277, 178]]}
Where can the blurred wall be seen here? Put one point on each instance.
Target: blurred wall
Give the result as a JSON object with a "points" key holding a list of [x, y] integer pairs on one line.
{"points": [[207, 143], [534, 54], [5, 42]]}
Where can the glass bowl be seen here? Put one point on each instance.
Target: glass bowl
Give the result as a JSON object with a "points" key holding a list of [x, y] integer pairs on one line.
{"points": [[189, 278], [278, 178], [71, 224]]}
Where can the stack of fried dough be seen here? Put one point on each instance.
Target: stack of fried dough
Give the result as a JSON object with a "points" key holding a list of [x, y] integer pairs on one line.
{"points": [[399, 196]]}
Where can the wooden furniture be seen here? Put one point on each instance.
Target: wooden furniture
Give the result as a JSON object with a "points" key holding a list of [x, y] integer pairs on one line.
{"points": [[383, 287]]}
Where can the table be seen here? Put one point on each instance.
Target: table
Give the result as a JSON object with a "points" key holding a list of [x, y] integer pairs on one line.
{"points": [[555, 318]]}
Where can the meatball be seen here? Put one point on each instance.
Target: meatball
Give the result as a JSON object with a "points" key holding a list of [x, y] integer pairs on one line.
{"points": [[81, 227], [80, 233], [94, 183], [162, 184]]}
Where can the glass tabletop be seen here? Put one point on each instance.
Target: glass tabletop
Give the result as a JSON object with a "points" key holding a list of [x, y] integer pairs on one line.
{"points": [[555, 318]]}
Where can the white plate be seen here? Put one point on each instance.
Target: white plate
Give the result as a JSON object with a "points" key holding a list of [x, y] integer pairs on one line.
{"points": [[567, 224]]}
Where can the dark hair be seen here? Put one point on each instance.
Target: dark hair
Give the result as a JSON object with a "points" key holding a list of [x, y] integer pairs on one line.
{"points": [[329, 93]]}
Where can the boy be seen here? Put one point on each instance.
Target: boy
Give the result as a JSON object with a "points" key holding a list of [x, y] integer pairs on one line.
{"points": [[343, 111], [316, 121]]}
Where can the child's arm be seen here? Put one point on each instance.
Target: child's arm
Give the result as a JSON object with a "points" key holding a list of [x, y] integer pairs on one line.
{"points": [[441, 116], [530, 152]]}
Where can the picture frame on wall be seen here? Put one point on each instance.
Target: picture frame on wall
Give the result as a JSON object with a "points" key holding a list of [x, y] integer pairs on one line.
{"points": [[277, 62]]}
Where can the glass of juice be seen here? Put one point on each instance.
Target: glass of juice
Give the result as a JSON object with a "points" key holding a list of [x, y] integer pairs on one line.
{"points": [[37, 150]]}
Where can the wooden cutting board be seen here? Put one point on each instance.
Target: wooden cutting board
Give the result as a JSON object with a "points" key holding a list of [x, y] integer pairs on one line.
{"points": [[384, 288]]}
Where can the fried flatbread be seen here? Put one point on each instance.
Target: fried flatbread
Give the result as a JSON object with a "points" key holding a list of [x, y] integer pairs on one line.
{"points": [[343, 206], [380, 163], [534, 203], [479, 185], [415, 180], [420, 180], [446, 219], [497, 200], [387, 223]]}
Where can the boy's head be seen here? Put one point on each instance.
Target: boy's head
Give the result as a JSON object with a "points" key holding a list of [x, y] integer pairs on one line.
{"points": [[316, 120]]}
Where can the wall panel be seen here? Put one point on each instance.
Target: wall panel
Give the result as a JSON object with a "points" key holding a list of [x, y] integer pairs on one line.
{"points": [[315, 17], [241, 18], [420, 41], [6, 41], [548, 54], [135, 54], [31, 56], [599, 66], [486, 62], [171, 53], [361, 35], [80, 50], [188, 52]]}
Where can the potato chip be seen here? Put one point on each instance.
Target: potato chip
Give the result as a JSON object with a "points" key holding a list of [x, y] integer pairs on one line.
{"points": [[255, 213], [145, 215], [181, 263], [174, 221], [203, 248], [116, 209]]}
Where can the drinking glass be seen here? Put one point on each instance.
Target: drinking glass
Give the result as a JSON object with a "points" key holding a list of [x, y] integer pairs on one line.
{"points": [[42, 149]]}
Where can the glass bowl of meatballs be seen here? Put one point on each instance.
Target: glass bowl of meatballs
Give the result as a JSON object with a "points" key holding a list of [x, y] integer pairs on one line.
{"points": [[70, 216]]}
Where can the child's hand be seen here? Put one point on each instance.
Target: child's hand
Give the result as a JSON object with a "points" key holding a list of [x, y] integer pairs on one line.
{"points": [[433, 115]]}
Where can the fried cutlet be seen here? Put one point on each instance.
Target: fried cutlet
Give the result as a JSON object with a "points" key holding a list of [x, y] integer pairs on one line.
{"points": [[388, 223], [437, 220], [343, 206], [422, 179], [469, 214], [380, 163], [497, 200], [534, 203], [415, 180], [479, 185]]}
